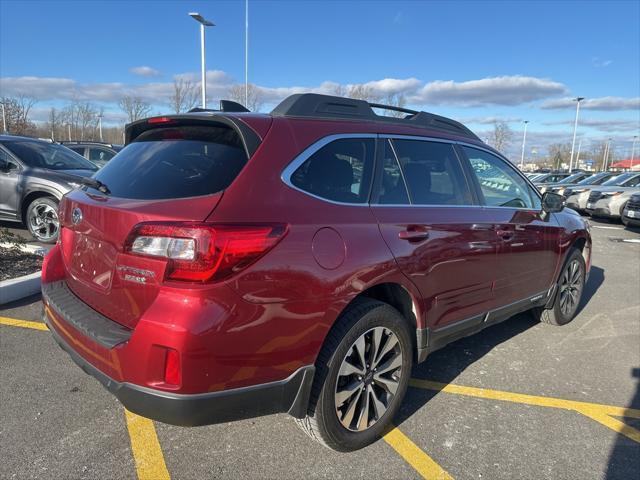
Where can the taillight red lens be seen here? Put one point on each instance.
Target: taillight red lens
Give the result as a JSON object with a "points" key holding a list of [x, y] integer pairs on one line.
{"points": [[200, 252], [160, 120], [172, 372]]}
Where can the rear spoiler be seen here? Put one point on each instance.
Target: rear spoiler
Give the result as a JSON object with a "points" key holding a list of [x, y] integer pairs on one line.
{"points": [[250, 139]]}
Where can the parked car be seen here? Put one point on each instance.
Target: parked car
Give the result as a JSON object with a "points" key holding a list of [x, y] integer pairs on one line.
{"points": [[595, 179], [550, 178], [299, 262], [578, 198], [631, 212], [570, 180], [96, 152], [34, 175], [609, 202]]}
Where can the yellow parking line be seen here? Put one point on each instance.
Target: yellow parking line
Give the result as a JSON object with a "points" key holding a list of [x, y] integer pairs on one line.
{"points": [[146, 448], [12, 322], [411, 453], [600, 413]]}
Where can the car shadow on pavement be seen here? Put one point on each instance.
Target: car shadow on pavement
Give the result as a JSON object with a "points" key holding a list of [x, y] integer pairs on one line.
{"points": [[445, 365], [624, 459]]}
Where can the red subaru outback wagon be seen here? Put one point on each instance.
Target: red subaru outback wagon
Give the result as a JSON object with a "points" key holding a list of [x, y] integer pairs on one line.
{"points": [[227, 264]]}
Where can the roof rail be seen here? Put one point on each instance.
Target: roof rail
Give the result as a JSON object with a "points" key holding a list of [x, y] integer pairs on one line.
{"points": [[225, 106], [314, 105]]}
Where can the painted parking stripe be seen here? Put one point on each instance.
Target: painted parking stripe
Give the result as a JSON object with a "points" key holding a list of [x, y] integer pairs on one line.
{"points": [[604, 227], [602, 414], [147, 454], [12, 322], [414, 456]]}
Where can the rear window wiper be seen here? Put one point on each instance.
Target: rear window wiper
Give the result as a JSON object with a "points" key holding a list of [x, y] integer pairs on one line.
{"points": [[95, 183]]}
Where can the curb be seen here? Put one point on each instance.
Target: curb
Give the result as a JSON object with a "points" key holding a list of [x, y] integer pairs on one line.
{"points": [[20, 287]]}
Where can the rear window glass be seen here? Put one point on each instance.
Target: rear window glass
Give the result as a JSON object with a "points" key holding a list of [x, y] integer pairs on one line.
{"points": [[175, 162], [340, 171]]}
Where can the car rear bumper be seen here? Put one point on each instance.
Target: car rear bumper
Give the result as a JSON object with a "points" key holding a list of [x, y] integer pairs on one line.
{"points": [[290, 395]]}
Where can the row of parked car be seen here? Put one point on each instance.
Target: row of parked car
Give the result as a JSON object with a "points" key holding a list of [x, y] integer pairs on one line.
{"points": [[612, 195]]}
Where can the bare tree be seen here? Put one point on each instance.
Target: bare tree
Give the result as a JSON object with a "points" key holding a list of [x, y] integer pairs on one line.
{"points": [[559, 153], [254, 96], [135, 108], [363, 92], [185, 95], [16, 111], [339, 90], [395, 100], [54, 123], [501, 136]]}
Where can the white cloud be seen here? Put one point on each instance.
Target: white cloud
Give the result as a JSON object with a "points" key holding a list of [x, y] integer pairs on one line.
{"points": [[601, 103], [506, 90], [488, 120], [600, 62], [614, 125], [144, 71]]}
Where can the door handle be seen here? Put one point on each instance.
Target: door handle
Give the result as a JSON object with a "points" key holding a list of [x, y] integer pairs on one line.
{"points": [[506, 235], [413, 235]]}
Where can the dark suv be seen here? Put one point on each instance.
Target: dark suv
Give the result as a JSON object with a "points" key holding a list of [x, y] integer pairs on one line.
{"points": [[302, 261], [34, 175]]}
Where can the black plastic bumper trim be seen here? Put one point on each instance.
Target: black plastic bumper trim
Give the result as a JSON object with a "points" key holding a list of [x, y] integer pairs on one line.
{"points": [[82, 317], [290, 395]]}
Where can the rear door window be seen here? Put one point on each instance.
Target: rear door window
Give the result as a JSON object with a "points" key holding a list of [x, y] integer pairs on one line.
{"points": [[432, 173], [340, 171], [393, 190], [175, 162], [100, 154]]}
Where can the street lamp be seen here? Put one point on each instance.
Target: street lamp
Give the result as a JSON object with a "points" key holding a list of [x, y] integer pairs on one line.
{"points": [[633, 148], [524, 139], [575, 129], [4, 119], [605, 158], [203, 23]]}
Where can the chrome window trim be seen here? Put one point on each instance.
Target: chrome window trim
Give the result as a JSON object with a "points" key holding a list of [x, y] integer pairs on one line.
{"points": [[317, 145], [308, 152]]}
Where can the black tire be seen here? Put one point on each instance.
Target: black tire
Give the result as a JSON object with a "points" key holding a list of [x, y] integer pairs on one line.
{"points": [[559, 314], [46, 208], [622, 219], [322, 422]]}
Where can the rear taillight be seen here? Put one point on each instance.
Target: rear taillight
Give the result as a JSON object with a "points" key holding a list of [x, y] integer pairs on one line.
{"points": [[198, 252]]}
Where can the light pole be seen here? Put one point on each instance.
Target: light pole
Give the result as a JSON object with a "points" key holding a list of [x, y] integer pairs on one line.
{"points": [[203, 23], [246, 53], [524, 139], [4, 119], [575, 129], [100, 126], [578, 154], [606, 155], [633, 148]]}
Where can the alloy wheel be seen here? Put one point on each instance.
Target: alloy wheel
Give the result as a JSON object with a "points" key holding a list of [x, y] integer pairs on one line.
{"points": [[368, 379], [43, 222], [571, 288]]}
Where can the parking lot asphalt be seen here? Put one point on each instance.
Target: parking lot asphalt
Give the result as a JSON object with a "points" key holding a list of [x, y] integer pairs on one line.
{"points": [[519, 400]]}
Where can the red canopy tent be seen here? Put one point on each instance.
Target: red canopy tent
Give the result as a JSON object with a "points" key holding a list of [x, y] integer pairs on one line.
{"points": [[628, 163]]}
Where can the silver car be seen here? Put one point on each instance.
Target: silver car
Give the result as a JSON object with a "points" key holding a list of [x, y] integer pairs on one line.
{"points": [[610, 201], [578, 195]]}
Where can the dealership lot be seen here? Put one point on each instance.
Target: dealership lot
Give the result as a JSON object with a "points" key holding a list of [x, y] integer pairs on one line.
{"points": [[58, 422]]}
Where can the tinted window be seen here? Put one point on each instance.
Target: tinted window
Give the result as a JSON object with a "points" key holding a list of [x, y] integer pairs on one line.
{"points": [[576, 177], [432, 172], [501, 185], [175, 162], [619, 180], [100, 154], [393, 190], [79, 150], [47, 155], [339, 171]]}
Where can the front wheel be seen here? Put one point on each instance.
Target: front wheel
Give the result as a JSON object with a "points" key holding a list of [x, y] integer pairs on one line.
{"points": [[361, 377], [42, 219], [569, 293]]}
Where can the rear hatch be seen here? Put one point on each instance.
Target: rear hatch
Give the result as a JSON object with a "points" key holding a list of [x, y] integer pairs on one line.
{"points": [[174, 170]]}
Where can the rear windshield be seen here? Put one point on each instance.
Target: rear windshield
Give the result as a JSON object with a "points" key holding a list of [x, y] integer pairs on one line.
{"points": [[175, 162]]}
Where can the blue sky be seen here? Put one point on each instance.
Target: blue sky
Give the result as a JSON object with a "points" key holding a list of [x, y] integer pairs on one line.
{"points": [[475, 61]]}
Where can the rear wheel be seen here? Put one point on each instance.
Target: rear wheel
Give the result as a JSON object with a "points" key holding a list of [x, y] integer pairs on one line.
{"points": [[42, 219], [361, 377], [569, 294]]}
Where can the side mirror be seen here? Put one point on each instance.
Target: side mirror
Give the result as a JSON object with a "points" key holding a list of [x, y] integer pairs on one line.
{"points": [[552, 202]]}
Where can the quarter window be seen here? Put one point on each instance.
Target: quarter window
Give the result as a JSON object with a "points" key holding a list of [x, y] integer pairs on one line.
{"points": [[393, 190], [432, 172], [501, 186], [340, 171]]}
